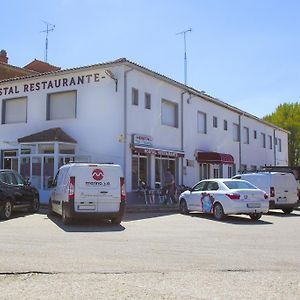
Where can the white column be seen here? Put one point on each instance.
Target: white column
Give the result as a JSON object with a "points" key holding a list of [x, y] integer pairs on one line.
{"points": [[56, 157]]}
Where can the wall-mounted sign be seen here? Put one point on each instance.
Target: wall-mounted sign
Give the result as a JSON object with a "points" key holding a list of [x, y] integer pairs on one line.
{"points": [[50, 84], [142, 140]]}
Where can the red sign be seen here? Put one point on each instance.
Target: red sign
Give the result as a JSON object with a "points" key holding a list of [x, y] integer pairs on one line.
{"points": [[97, 174]]}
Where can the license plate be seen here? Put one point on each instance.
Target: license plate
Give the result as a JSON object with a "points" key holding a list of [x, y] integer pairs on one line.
{"points": [[86, 207], [282, 200], [253, 205]]}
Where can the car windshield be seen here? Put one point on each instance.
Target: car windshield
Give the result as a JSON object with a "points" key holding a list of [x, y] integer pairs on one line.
{"points": [[239, 185]]}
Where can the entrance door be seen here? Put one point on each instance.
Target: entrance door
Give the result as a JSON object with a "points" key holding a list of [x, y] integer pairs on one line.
{"points": [[10, 163]]}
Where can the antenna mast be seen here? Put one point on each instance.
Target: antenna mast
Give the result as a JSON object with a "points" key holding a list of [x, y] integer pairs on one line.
{"points": [[185, 56], [49, 27]]}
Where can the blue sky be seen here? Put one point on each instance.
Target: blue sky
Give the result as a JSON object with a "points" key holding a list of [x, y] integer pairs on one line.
{"points": [[244, 52]]}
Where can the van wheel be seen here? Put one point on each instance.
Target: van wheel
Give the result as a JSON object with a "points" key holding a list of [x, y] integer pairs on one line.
{"points": [[218, 212], [66, 219], [116, 220], [50, 209], [287, 210], [255, 216], [7, 210]]}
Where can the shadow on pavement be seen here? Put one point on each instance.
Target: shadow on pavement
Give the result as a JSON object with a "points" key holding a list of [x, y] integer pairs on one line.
{"points": [[86, 225], [135, 216], [236, 220], [281, 214]]}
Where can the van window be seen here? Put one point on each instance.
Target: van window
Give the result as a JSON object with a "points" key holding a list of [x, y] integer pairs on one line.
{"points": [[61, 176], [239, 185]]}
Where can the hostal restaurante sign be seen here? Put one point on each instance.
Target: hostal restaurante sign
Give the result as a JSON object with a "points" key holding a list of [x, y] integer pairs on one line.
{"points": [[50, 84]]}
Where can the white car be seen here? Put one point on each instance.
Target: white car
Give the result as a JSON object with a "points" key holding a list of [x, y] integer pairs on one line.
{"points": [[222, 197]]}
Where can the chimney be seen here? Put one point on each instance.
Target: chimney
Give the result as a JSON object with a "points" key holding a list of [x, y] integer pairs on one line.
{"points": [[3, 56]]}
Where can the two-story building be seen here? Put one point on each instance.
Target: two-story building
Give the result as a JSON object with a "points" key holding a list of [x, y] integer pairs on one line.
{"points": [[124, 113]]}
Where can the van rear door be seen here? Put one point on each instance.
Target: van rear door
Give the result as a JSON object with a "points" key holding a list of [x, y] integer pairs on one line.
{"points": [[285, 188], [97, 188]]}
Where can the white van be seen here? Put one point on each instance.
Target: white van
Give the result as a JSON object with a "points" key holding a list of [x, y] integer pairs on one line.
{"points": [[85, 190], [281, 188]]}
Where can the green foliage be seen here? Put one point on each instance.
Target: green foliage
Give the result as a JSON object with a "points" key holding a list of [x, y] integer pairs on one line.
{"points": [[287, 116]]}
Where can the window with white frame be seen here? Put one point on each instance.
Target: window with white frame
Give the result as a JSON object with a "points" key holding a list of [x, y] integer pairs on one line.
{"points": [[169, 113], [236, 132], [135, 96], [215, 122], [279, 145], [246, 135], [62, 105], [201, 122], [147, 101], [270, 141], [263, 140], [14, 110]]}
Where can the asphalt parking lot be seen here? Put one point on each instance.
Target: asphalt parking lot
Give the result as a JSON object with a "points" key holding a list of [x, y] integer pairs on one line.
{"points": [[151, 256]]}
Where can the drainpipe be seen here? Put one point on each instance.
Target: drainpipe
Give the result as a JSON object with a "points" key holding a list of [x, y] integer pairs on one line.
{"points": [[240, 143], [274, 145], [182, 133], [125, 119]]}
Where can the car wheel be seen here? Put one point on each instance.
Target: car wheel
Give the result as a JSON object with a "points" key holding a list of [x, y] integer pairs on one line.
{"points": [[255, 216], [116, 220], [287, 210], [7, 210], [183, 207], [65, 218], [218, 212], [35, 205]]}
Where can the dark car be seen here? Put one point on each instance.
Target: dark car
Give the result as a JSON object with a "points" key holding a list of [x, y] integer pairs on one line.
{"points": [[16, 193]]}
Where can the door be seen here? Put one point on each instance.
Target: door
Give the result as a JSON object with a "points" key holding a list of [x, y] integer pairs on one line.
{"points": [[195, 196]]}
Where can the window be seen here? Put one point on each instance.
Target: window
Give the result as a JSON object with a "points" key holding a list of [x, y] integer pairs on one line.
{"points": [[270, 141], [263, 140], [139, 171], [215, 122], [255, 134], [201, 122], [212, 186], [14, 110], [225, 125], [230, 172], [147, 101], [243, 168], [236, 132], [279, 145], [169, 113], [200, 186], [135, 96], [61, 105], [204, 171], [246, 135]]}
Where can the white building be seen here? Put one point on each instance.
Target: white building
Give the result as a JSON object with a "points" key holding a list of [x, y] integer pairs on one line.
{"points": [[124, 113]]}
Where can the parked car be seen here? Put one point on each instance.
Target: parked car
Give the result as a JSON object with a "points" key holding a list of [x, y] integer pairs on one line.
{"points": [[281, 187], [88, 190], [222, 197], [16, 193]]}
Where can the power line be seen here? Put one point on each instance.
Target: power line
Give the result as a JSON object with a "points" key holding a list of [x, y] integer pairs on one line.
{"points": [[185, 55]]}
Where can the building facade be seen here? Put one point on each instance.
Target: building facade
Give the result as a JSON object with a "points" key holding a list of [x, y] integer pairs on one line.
{"points": [[124, 113]]}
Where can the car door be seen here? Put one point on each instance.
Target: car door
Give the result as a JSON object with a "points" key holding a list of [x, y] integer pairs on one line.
{"points": [[27, 194], [195, 195], [208, 196]]}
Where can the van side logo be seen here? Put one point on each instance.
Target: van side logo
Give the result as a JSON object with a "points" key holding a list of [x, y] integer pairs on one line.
{"points": [[97, 174]]}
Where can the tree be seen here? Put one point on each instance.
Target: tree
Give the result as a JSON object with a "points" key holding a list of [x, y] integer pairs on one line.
{"points": [[287, 116]]}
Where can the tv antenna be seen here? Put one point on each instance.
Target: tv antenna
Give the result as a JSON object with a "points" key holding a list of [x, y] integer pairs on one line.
{"points": [[185, 56], [49, 27]]}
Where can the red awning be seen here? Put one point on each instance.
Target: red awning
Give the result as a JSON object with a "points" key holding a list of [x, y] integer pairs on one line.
{"points": [[214, 158], [156, 151]]}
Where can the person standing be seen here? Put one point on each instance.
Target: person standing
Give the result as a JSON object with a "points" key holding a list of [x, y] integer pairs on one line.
{"points": [[170, 186]]}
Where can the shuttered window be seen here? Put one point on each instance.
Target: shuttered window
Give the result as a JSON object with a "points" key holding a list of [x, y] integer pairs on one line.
{"points": [[169, 113], [14, 110], [61, 105]]}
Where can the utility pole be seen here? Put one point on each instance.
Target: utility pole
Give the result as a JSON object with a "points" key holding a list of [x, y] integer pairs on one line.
{"points": [[185, 56], [49, 27]]}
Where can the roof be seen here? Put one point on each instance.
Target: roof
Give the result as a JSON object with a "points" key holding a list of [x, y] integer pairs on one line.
{"points": [[41, 66], [49, 135], [9, 71], [187, 89]]}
